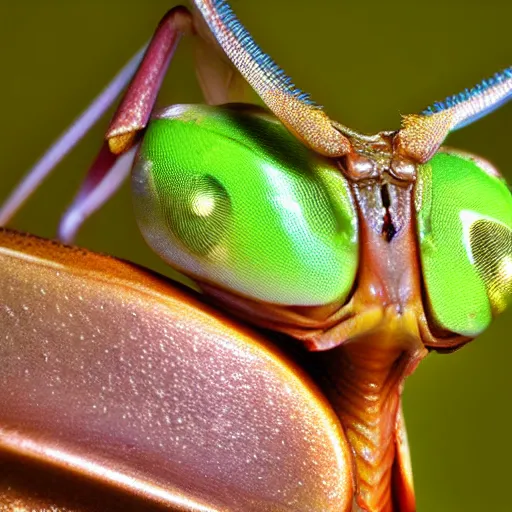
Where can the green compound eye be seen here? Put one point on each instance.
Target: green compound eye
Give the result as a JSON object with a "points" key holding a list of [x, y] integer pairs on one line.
{"points": [[230, 197], [464, 216]]}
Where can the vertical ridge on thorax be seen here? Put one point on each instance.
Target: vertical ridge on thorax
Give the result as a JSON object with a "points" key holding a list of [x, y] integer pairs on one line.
{"points": [[366, 377]]}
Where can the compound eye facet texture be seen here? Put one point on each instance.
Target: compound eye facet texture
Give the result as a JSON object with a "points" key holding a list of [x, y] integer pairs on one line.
{"points": [[464, 222], [229, 197]]}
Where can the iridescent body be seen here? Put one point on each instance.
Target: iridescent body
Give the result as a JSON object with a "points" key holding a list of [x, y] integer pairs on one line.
{"points": [[263, 219], [378, 247]]}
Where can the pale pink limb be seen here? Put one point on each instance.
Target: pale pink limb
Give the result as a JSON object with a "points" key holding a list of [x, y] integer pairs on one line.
{"points": [[114, 160], [68, 140], [113, 163], [137, 104], [144, 76], [104, 178]]}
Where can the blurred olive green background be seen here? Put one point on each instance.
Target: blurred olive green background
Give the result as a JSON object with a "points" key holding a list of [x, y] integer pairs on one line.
{"points": [[367, 62]]}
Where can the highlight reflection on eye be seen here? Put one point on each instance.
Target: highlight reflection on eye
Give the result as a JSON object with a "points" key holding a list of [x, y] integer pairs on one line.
{"points": [[464, 217], [197, 210], [491, 243], [203, 204], [249, 209]]}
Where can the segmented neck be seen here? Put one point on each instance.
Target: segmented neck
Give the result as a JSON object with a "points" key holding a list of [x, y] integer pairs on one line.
{"points": [[365, 380], [369, 399]]}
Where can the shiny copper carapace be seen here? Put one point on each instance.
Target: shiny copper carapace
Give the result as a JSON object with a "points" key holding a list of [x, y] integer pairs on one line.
{"points": [[140, 393]]}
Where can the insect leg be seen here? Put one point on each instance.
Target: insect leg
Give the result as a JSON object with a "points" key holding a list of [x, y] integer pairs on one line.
{"points": [[68, 140], [106, 175], [115, 158]]}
